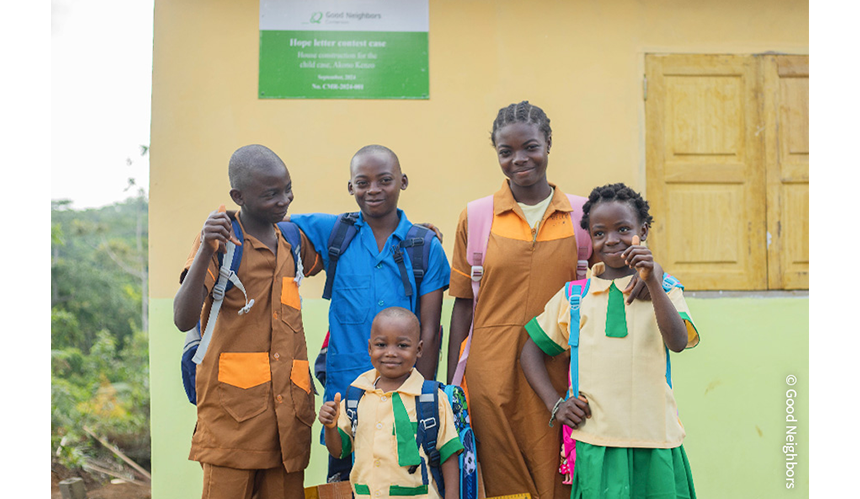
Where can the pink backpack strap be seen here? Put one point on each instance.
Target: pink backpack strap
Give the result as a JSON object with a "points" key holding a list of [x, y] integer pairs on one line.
{"points": [[583, 238], [479, 216]]}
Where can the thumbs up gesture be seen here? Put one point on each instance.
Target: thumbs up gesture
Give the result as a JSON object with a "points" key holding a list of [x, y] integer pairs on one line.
{"points": [[640, 258], [330, 411]]}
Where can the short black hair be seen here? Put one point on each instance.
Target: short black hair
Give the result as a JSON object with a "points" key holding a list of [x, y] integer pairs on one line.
{"points": [[521, 113], [246, 159], [374, 149], [400, 313], [616, 192]]}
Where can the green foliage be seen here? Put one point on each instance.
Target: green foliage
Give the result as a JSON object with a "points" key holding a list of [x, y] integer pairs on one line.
{"points": [[99, 344]]}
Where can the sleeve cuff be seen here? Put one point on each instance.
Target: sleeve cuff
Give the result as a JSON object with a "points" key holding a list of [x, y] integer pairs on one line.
{"points": [[541, 339], [692, 332], [345, 444], [454, 446]]}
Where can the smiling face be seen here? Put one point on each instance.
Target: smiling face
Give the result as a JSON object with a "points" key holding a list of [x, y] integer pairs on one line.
{"points": [[394, 346], [376, 183], [612, 225], [265, 193], [523, 152]]}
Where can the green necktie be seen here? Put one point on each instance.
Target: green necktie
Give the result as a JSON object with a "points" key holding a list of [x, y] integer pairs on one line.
{"points": [[616, 317], [407, 449]]}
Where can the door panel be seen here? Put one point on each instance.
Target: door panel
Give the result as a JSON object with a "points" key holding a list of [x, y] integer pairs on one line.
{"points": [[704, 150], [786, 103]]}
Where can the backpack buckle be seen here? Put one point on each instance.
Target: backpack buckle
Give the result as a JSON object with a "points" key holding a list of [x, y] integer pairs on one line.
{"points": [[218, 290], [581, 268], [575, 301], [428, 423], [477, 272]]}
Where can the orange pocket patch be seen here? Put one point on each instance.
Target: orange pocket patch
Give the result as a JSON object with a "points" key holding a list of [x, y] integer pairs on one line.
{"points": [[301, 375], [244, 369], [290, 293]]}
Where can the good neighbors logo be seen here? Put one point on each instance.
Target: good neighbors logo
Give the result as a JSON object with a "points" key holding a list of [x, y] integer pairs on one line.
{"points": [[790, 432], [342, 17]]}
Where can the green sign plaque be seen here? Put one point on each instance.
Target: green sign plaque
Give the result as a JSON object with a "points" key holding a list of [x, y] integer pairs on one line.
{"points": [[344, 50]]}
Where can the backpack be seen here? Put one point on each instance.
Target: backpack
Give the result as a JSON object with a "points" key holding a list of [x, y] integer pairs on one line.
{"points": [[427, 414], [575, 291], [417, 237], [479, 214], [196, 345]]}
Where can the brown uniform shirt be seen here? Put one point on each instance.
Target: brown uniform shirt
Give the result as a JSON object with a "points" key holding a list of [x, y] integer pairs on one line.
{"points": [[518, 451], [255, 401]]}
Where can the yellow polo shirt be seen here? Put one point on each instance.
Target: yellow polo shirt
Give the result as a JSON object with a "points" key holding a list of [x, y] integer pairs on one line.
{"points": [[625, 379], [377, 471]]}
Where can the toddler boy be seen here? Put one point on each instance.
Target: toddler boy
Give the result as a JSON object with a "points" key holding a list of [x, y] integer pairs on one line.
{"points": [[386, 416]]}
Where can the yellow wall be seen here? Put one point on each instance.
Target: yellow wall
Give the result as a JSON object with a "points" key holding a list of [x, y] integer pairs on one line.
{"points": [[582, 61]]}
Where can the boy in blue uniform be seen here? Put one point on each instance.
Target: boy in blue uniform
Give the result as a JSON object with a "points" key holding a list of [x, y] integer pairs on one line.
{"points": [[368, 278]]}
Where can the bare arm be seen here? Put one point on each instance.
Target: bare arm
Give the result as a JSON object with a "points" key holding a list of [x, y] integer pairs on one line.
{"points": [[571, 412], [431, 314], [668, 320], [189, 299], [188, 303], [533, 361], [451, 476], [461, 320], [328, 415]]}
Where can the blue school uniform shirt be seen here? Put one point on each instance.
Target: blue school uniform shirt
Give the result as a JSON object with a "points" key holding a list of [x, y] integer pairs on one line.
{"points": [[366, 281]]}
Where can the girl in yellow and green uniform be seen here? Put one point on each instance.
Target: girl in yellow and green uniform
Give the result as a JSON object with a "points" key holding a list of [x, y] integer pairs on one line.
{"points": [[620, 403]]}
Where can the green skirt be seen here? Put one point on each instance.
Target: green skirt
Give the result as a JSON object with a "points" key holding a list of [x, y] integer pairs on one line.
{"points": [[631, 473]]}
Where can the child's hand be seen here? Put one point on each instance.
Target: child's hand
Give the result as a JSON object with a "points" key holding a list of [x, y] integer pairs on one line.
{"points": [[636, 290], [218, 229], [428, 225], [573, 411], [641, 259], [330, 411]]}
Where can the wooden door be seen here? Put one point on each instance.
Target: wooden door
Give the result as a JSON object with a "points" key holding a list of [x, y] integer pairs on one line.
{"points": [[705, 180], [786, 108]]}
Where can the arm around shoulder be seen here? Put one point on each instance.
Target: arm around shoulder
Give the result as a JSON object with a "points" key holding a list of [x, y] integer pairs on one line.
{"points": [[430, 314]]}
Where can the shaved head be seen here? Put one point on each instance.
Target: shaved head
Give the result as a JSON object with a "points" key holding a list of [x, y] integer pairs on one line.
{"points": [[249, 158], [377, 150], [405, 321]]}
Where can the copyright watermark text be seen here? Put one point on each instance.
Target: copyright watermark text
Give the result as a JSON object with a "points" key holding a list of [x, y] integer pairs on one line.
{"points": [[790, 432]]}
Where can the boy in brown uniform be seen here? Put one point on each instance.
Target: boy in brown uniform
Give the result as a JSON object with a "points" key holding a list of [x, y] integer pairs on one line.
{"points": [[255, 402]]}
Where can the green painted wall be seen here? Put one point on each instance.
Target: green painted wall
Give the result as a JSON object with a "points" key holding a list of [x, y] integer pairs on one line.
{"points": [[731, 392]]}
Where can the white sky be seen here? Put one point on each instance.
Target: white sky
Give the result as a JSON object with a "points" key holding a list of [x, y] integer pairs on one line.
{"points": [[101, 82]]}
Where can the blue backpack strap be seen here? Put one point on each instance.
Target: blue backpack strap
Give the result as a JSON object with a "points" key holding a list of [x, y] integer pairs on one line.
{"points": [[575, 291], [669, 282], [292, 235], [417, 246], [353, 396], [341, 235], [404, 276], [427, 412]]}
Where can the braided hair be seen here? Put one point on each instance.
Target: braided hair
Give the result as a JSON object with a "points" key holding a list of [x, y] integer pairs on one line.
{"points": [[616, 192], [521, 113]]}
